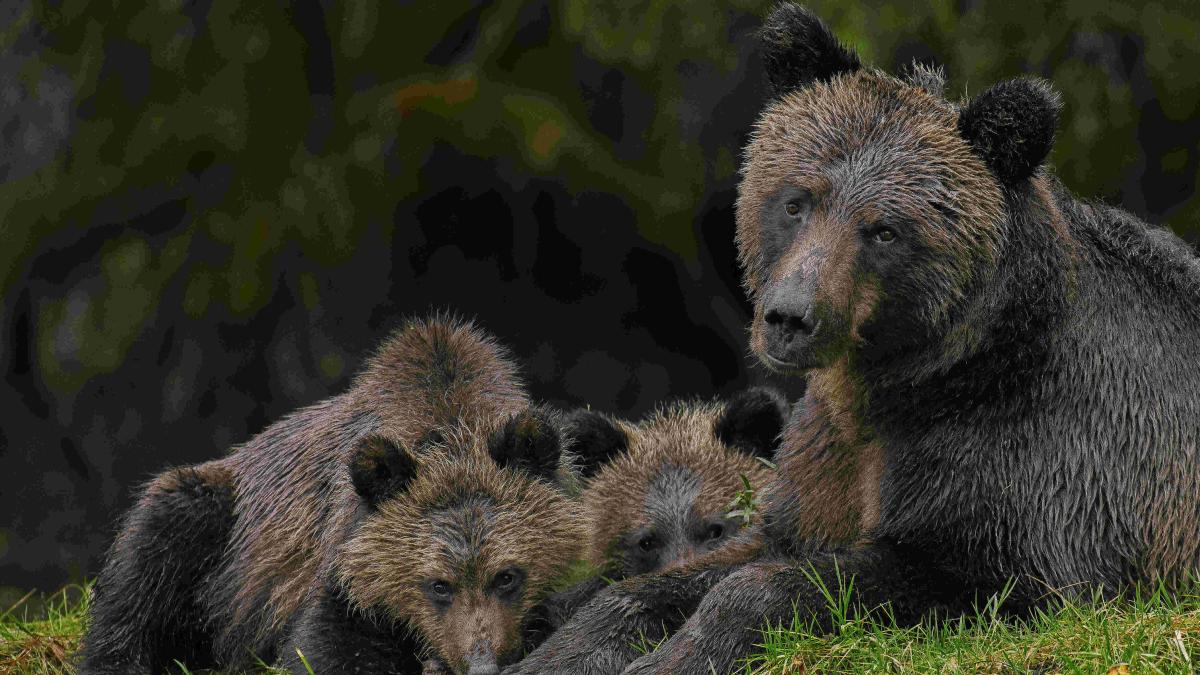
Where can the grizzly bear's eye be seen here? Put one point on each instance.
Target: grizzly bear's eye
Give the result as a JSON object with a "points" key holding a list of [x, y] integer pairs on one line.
{"points": [[507, 583], [441, 589], [885, 235], [646, 543], [506, 580], [792, 208], [715, 531]]}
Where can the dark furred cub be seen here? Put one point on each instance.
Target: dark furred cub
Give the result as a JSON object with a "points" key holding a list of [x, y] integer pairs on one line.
{"points": [[286, 539], [661, 496], [1001, 377], [659, 493]]}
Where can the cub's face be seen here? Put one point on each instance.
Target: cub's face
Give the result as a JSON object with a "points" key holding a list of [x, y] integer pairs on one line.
{"points": [[681, 517], [862, 220], [479, 576], [461, 547], [660, 493]]}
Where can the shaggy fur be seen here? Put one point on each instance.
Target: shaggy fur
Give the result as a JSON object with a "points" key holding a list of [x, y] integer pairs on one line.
{"points": [[663, 502], [149, 604], [464, 522], [1002, 377], [281, 506], [660, 491]]}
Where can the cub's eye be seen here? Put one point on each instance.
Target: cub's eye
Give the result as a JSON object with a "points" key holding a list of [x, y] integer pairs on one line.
{"points": [[792, 209], [646, 543], [505, 580], [716, 531], [507, 583], [885, 235], [441, 589]]}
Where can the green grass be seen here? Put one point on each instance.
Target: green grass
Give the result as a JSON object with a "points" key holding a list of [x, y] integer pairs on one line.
{"points": [[1158, 632], [1153, 633], [39, 634]]}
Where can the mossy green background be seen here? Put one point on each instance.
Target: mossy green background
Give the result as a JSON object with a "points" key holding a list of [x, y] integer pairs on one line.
{"points": [[211, 211]]}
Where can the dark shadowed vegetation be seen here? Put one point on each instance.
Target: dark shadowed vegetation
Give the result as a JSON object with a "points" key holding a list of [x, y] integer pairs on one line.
{"points": [[210, 212]]}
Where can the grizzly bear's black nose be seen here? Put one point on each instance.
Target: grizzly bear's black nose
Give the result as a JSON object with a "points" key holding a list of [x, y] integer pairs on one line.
{"points": [[788, 322]]}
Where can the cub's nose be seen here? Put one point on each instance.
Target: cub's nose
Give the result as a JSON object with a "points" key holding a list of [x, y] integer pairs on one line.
{"points": [[482, 660]]}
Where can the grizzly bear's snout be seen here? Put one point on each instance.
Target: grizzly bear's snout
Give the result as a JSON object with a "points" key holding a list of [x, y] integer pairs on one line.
{"points": [[790, 323]]}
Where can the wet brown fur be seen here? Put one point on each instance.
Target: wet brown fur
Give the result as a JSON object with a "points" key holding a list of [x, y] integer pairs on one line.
{"points": [[835, 490], [214, 473], [679, 435], [933, 176], [839, 487], [294, 497], [517, 522], [1007, 410]]}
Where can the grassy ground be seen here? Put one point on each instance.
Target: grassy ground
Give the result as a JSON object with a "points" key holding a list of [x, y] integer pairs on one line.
{"points": [[1155, 634], [40, 634]]}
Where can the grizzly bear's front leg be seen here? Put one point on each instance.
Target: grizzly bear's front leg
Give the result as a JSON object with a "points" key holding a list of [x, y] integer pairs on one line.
{"points": [[607, 634], [335, 637], [728, 622], [555, 611], [147, 609]]}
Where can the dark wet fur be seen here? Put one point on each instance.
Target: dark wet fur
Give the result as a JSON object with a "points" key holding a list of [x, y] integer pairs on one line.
{"points": [[606, 633], [336, 637], [148, 603], [201, 576], [1058, 450]]}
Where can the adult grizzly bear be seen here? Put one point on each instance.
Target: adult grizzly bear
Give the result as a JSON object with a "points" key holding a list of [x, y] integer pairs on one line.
{"points": [[413, 515], [1002, 378]]}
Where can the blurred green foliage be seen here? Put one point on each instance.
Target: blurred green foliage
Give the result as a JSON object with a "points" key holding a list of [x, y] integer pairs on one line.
{"points": [[187, 187], [234, 84]]}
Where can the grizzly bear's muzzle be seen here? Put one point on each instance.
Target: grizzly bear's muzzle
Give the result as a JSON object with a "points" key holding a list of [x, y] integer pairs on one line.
{"points": [[790, 324]]}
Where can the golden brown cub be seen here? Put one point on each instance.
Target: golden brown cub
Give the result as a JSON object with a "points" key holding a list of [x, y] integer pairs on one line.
{"points": [[452, 553], [417, 515]]}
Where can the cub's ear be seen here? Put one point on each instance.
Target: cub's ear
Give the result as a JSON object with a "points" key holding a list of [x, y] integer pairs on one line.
{"points": [[593, 440], [530, 442], [380, 469], [1011, 126], [799, 49], [753, 421]]}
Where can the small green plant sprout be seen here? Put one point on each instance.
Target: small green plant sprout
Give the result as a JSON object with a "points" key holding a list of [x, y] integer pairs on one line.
{"points": [[745, 503], [304, 662], [644, 645]]}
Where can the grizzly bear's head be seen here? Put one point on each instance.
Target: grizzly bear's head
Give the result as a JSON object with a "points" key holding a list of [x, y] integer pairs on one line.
{"points": [[461, 544], [871, 209], [661, 493]]}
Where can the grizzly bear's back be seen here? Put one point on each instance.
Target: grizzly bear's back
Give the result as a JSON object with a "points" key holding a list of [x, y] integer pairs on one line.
{"points": [[295, 503], [1071, 458]]}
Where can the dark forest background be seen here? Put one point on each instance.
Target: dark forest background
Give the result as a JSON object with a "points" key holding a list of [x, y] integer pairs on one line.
{"points": [[211, 212]]}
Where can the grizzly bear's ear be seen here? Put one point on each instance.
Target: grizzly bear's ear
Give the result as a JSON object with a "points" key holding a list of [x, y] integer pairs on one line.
{"points": [[380, 469], [530, 442], [593, 440], [1011, 126], [753, 421], [798, 49]]}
